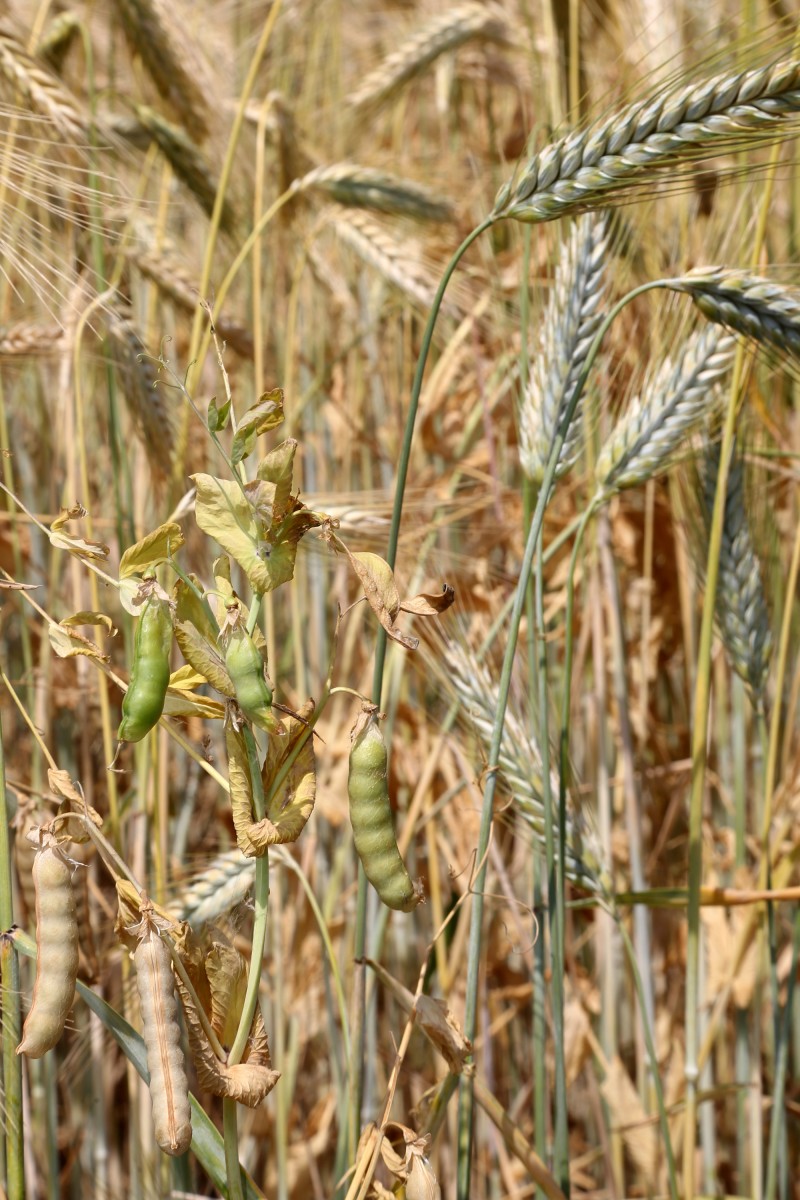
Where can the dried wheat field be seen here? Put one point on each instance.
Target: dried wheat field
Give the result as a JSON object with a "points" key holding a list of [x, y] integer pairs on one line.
{"points": [[399, 554]]}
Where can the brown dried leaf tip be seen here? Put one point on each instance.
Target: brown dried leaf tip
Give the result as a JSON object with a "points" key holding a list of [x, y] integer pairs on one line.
{"points": [[405, 1155], [294, 773], [218, 976], [377, 579]]}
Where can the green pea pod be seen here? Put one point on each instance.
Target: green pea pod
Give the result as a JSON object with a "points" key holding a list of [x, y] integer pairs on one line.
{"points": [[246, 669], [143, 703], [371, 817]]}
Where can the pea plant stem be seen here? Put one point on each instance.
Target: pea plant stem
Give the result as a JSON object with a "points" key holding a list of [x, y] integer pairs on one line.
{"points": [[14, 1174], [260, 904]]}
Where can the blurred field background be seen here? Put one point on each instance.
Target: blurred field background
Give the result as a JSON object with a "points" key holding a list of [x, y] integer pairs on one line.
{"points": [[142, 144]]}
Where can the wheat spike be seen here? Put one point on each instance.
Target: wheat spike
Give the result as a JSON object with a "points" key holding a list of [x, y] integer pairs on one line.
{"points": [[723, 113], [44, 91], [189, 164], [224, 884], [442, 34], [174, 281], [153, 417], [29, 338], [762, 310], [670, 407], [521, 767], [741, 608], [389, 257], [570, 322], [365, 187], [57, 39], [156, 31]]}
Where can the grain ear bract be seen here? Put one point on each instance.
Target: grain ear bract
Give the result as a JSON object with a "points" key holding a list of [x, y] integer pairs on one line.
{"points": [[169, 1088], [56, 952], [371, 817]]}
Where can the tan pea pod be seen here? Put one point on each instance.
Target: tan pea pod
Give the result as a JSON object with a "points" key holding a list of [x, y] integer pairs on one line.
{"points": [[56, 952], [169, 1088]]}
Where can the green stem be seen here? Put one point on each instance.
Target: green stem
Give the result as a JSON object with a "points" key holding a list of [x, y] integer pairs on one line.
{"points": [[14, 1181], [672, 1171], [230, 1136], [777, 1125], [259, 939]]}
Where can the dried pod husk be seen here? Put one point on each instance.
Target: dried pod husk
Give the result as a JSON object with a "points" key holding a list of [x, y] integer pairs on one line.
{"points": [[433, 1017], [226, 973], [247, 1082], [422, 1183], [169, 1087], [293, 803], [404, 1154], [56, 949]]}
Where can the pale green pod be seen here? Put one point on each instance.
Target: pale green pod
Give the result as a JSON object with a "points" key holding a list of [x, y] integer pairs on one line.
{"points": [[56, 952], [169, 1087], [371, 818]]}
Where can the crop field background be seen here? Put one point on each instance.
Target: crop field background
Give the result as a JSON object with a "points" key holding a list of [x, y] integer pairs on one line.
{"points": [[552, 537]]}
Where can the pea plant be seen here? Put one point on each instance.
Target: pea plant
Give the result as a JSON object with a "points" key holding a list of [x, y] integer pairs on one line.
{"points": [[259, 521]]}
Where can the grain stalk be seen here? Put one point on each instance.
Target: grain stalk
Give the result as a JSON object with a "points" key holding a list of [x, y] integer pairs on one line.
{"points": [[702, 701]]}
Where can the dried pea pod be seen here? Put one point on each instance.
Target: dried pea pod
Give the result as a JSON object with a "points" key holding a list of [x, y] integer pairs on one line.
{"points": [[169, 1087], [56, 952], [371, 817], [143, 702]]}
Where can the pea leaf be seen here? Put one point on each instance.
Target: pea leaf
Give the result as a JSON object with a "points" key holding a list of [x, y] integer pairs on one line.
{"points": [[81, 547], [225, 514], [205, 661], [151, 550], [68, 643], [377, 580], [218, 417], [262, 417], [89, 618], [276, 468], [189, 608], [293, 802], [425, 605]]}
